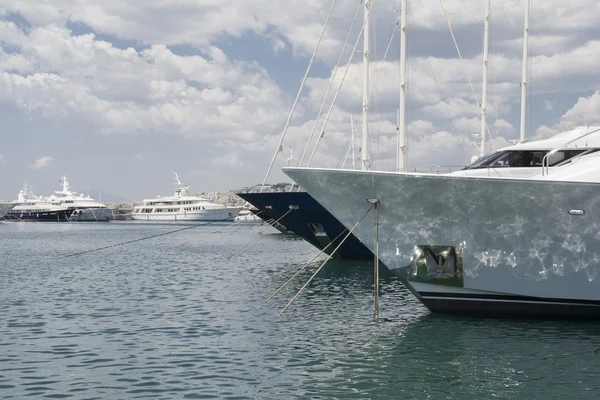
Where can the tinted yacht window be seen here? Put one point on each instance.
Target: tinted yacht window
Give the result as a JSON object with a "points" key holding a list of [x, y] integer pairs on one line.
{"points": [[523, 159]]}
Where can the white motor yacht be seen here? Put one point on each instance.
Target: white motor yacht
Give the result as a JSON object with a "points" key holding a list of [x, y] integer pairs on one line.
{"points": [[483, 244], [183, 206], [62, 206]]}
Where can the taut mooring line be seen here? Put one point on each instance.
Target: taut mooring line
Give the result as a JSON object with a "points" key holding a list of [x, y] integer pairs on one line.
{"points": [[257, 236], [325, 262], [236, 226], [306, 265], [144, 238]]}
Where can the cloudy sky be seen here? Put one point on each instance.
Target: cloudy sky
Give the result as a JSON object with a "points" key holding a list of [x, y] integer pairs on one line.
{"points": [[117, 95]]}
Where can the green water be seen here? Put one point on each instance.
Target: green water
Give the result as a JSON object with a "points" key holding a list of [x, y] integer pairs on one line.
{"points": [[173, 317]]}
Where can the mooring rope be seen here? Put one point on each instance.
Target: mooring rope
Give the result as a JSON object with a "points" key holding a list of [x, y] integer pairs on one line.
{"points": [[306, 265], [257, 236], [236, 226], [325, 262], [144, 238]]}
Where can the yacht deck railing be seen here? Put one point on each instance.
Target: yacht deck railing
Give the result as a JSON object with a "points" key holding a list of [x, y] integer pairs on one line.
{"points": [[545, 166]]}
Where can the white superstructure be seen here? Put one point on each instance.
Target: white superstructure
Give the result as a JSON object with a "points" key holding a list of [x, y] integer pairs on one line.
{"points": [[85, 208], [524, 160], [483, 245], [183, 206], [63, 205]]}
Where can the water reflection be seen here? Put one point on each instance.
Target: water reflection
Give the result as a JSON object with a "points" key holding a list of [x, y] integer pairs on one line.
{"points": [[175, 318]]}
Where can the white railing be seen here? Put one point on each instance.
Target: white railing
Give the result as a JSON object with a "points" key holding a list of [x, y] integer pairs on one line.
{"points": [[545, 163]]}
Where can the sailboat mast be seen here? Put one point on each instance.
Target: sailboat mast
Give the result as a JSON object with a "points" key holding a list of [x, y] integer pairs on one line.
{"points": [[401, 151], [524, 74], [365, 157], [486, 38]]}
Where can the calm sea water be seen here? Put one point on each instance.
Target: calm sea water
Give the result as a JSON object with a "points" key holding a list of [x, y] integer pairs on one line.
{"points": [[174, 317]]}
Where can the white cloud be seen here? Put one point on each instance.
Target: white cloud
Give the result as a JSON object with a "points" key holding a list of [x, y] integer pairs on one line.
{"points": [[229, 160], [586, 111], [41, 162], [236, 106], [2, 159], [126, 91]]}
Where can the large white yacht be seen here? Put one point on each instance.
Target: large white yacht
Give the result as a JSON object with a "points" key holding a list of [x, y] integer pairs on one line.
{"points": [[183, 206], [63, 205], [482, 245]]}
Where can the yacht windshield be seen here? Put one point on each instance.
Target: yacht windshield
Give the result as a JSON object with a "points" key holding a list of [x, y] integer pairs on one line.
{"points": [[523, 159]]}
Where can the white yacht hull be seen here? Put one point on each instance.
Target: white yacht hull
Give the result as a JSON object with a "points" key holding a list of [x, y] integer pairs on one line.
{"points": [[220, 214], [516, 246]]}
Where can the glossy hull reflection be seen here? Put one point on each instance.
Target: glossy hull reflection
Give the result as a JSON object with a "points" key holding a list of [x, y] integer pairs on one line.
{"points": [[309, 220], [480, 246]]}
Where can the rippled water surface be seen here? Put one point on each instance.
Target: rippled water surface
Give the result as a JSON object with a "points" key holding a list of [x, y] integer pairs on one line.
{"points": [[174, 317]]}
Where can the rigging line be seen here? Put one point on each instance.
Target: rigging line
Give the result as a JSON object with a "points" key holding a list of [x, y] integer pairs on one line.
{"points": [[446, 107], [330, 84], [257, 238], [370, 94], [340, 85], [236, 226], [287, 124], [447, 16], [144, 238], [325, 262], [306, 265]]}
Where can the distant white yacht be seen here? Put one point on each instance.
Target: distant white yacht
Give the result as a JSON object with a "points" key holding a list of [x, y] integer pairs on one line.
{"points": [[62, 206], [247, 215], [183, 206]]}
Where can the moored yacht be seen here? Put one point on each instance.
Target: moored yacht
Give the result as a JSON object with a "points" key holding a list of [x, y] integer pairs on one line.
{"points": [[483, 244], [85, 208], [63, 205], [183, 206], [30, 207], [248, 215]]}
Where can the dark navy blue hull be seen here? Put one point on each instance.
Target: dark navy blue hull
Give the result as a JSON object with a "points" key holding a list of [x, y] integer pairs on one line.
{"points": [[310, 220], [48, 216]]}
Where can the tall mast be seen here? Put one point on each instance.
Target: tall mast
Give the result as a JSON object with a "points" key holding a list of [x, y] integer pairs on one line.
{"points": [[401, 151], [486, 37], [524, 74], [365, 156]]}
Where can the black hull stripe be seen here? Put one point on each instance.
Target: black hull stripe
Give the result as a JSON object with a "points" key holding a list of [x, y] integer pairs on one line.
{"points": [[505, 298]]}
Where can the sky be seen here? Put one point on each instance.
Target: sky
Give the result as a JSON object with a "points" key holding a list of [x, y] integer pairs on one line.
{"points": [[116, 95]]}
